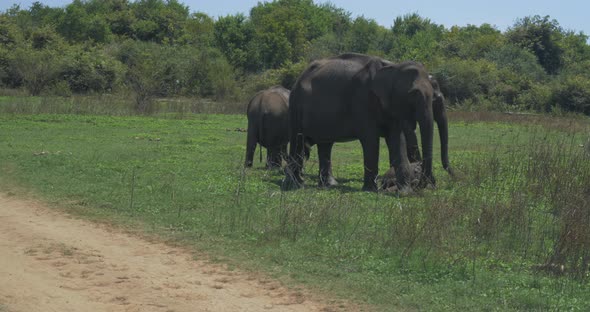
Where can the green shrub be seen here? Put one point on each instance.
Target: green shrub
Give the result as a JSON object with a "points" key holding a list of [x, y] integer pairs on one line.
{"points": [[90, 70], [38, 69], [209, 74], [466, 79], [537, 98], [573, 94], [46, 38], [61, 88], [518, 60], [9, 32]]}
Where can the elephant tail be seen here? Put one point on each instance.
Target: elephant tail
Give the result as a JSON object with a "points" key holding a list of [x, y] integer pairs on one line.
{"points": [[261, 131]]}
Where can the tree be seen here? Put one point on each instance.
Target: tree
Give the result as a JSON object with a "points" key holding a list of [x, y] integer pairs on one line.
{"points": [[471, 41], [159, 21], [415, 38], [199, 30], [542, 36], [280, 31], [233, 34], [362, 35], [76, 25]]}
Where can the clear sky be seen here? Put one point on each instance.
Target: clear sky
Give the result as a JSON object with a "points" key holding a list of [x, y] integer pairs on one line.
{"points": [[571, 14]]}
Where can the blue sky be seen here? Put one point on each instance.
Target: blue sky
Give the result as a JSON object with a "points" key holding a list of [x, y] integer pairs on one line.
{"points": [[572, 14]]}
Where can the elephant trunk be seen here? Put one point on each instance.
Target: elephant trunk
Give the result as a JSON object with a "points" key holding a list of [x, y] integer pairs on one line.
{"points": [[440, 116], [425, 121]]}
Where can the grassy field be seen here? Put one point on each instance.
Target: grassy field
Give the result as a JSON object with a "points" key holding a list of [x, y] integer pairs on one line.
{"points": [[510, 232]]}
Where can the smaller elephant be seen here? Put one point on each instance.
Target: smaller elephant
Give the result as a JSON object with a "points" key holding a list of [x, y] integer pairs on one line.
{"points": [[268, 117]]}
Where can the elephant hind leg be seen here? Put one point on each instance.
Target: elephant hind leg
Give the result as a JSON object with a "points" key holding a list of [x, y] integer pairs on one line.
{"points": [[325, 156], [284, 154], [251, 142], [273, 157]]}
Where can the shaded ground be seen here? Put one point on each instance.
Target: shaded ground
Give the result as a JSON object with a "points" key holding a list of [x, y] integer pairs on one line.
{"points": [[52, 262]]}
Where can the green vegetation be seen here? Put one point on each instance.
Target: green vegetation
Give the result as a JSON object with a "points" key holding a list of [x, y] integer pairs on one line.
{"points": [[509, 233], [147, 49]]}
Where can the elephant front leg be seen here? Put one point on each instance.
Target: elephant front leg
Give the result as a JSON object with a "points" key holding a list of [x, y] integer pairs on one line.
{"points": [[293, 171], [273, 157], [412, 141], [371, 162], [398, 158], [325, 156]]}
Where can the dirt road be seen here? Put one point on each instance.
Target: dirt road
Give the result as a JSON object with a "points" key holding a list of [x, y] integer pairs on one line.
{"points": [[52, 262]]}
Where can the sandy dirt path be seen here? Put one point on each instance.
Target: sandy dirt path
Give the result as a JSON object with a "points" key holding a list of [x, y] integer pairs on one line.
{"points": [[52, 262]]}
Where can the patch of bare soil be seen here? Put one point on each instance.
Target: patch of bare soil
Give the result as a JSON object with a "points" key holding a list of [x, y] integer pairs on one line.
{"points": [[52, 262]]}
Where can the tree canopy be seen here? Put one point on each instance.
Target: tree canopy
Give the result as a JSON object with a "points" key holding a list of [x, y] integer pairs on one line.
{"points": [[98, 46]]}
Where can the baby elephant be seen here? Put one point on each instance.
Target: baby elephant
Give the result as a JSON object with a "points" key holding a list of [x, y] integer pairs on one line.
{"points": [[268, 121]]}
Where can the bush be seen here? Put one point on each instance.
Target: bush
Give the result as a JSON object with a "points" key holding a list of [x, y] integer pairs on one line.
{"points": [[209, 74], [38, 69], [61, 88], [466, 79], [537, 98], [518, 60], [91, 71], [164, 71], [573, 95], [284, 76]]}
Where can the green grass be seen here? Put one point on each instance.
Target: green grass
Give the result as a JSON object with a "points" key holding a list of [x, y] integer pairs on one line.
{"points": [[474, 243]]}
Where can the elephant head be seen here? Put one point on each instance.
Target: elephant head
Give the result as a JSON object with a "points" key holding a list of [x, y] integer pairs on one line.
{"points": [[404, 91]]}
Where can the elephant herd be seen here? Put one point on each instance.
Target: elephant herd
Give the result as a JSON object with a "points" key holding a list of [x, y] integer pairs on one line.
{"points": [[352, 97]]}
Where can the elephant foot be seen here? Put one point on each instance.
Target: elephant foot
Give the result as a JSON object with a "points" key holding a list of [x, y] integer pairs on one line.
{"points": [[327, 182], [248, 164], [272, 165], [291, 181], [426, 181], [370, 187], [450, 171]]}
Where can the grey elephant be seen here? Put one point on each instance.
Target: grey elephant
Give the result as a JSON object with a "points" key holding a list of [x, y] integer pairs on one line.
{"points": [[359, 97], [409, 129], [268, 125], [440, 117]]}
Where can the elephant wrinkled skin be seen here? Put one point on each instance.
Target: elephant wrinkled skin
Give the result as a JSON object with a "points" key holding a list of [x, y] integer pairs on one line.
{"points": [[359, 97]]}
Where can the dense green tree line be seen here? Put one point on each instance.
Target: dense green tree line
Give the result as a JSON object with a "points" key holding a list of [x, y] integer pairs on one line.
{"points": [[158, 48]]}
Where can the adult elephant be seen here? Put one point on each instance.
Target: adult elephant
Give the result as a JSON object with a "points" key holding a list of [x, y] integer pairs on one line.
{"points": [[409, 129], [268, 125], [440, 117], [359, 97]]}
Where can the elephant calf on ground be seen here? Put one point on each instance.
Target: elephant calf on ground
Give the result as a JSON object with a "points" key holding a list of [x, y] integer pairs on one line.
{"points": [[268, 125]]}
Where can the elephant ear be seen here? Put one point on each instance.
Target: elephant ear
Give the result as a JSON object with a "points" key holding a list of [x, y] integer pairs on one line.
{"points": [[382, 84]]}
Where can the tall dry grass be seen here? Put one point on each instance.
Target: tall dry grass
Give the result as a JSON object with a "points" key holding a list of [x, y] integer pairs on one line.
{"points": [[115, 105]]}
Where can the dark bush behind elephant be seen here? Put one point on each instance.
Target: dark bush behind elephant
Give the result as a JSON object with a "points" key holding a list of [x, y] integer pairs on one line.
{"points": [[268, 125], [359, 97]]}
